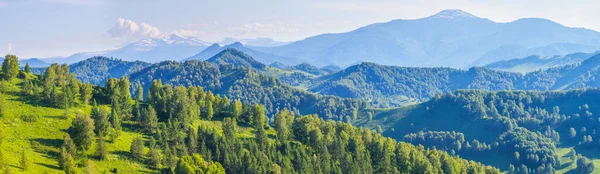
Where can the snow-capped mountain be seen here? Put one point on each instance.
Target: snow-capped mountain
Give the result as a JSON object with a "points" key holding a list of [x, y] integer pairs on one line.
{"points": [[450, 38], [172, 47]]}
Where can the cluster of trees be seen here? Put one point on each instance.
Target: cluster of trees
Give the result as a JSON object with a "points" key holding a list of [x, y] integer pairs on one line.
{"points": [[527, 124], [384, 84], [250, 87], [449, 141], [291, 144], [97, 70]]}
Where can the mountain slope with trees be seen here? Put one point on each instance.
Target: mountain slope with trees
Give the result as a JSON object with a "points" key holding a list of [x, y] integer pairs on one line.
{"points": [[386, 86], [78, 128], [506, 129], [97, 70]]}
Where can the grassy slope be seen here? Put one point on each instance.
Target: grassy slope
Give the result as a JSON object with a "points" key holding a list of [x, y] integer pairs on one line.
{"points": [[42, 139]]}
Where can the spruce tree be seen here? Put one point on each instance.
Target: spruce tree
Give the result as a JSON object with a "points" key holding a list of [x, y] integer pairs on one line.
{"points": [[101, 149], [27, 68]]}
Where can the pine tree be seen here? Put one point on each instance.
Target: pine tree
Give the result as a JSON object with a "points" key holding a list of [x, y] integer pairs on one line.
{"points": [[10, 67], [236, 108], [27, 68], [151, 120], [101, 124], [139, 95], [283, 123], [137, 148], [154, 157], [209, 110], [86, 93], [115, 122], [67, 162], [101, 149]]}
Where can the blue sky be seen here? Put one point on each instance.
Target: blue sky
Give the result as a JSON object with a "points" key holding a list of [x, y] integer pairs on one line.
{"points": [[45, 28]]}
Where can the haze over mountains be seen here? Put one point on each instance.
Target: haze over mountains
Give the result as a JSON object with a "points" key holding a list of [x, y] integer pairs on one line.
{"points": [[450, 38]]}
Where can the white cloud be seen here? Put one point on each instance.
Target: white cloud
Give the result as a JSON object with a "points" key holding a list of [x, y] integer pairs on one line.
{"points": [[9, 49], [126, 29], [259, 28]]}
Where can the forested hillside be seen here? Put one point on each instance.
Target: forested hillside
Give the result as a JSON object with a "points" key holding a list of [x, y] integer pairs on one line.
{"points": [[388, 86], [97, 70], [250, 87], [540, 132], [53, 122]]}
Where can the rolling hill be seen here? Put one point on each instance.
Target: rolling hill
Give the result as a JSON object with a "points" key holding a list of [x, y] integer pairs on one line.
{"points": [[387, 86], [97, 70], [534, 63]]}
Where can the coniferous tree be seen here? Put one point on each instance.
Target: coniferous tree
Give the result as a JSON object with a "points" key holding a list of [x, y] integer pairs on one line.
{"points": [[139, 96], [137, 148], [10, 67], [86, 93], [101, 120], [101, 148], [115, 121], [154, 157], [82, 131], [150, 120], [209, 110], [283, 124], [67, 162], [27, 68]]}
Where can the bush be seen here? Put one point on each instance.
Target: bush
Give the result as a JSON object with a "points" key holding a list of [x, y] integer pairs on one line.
{"points": [[30, 118]]}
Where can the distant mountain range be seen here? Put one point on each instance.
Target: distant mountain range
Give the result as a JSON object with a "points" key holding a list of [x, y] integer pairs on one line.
{"points": [[265, 58], [172, 47], [534, 63], [451, 38]]}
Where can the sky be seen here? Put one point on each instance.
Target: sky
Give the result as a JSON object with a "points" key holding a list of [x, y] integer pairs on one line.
{"points": [[47, 28]]}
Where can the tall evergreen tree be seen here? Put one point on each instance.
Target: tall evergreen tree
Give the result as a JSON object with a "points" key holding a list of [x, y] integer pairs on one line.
{"points": [[10, 67], [27, 68], [137, 148], [101, 148]]}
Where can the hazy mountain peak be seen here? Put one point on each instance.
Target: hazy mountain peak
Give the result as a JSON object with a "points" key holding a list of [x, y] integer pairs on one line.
{"points": [[453, 14]]}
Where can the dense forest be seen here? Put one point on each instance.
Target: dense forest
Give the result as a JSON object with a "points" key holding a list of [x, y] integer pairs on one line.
{"points": [[523, 129], [177, 129], [250, 87], [386, 86]]}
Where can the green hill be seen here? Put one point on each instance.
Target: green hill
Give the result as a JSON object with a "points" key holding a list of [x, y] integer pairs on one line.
{"points": [[184, 130], [97, 70], [476, 125]]}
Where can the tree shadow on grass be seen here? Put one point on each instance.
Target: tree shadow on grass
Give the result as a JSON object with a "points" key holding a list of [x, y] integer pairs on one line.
{"points": [[30, 100], [122, 154], [131, 126], [56, 143], [49, 166]]}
